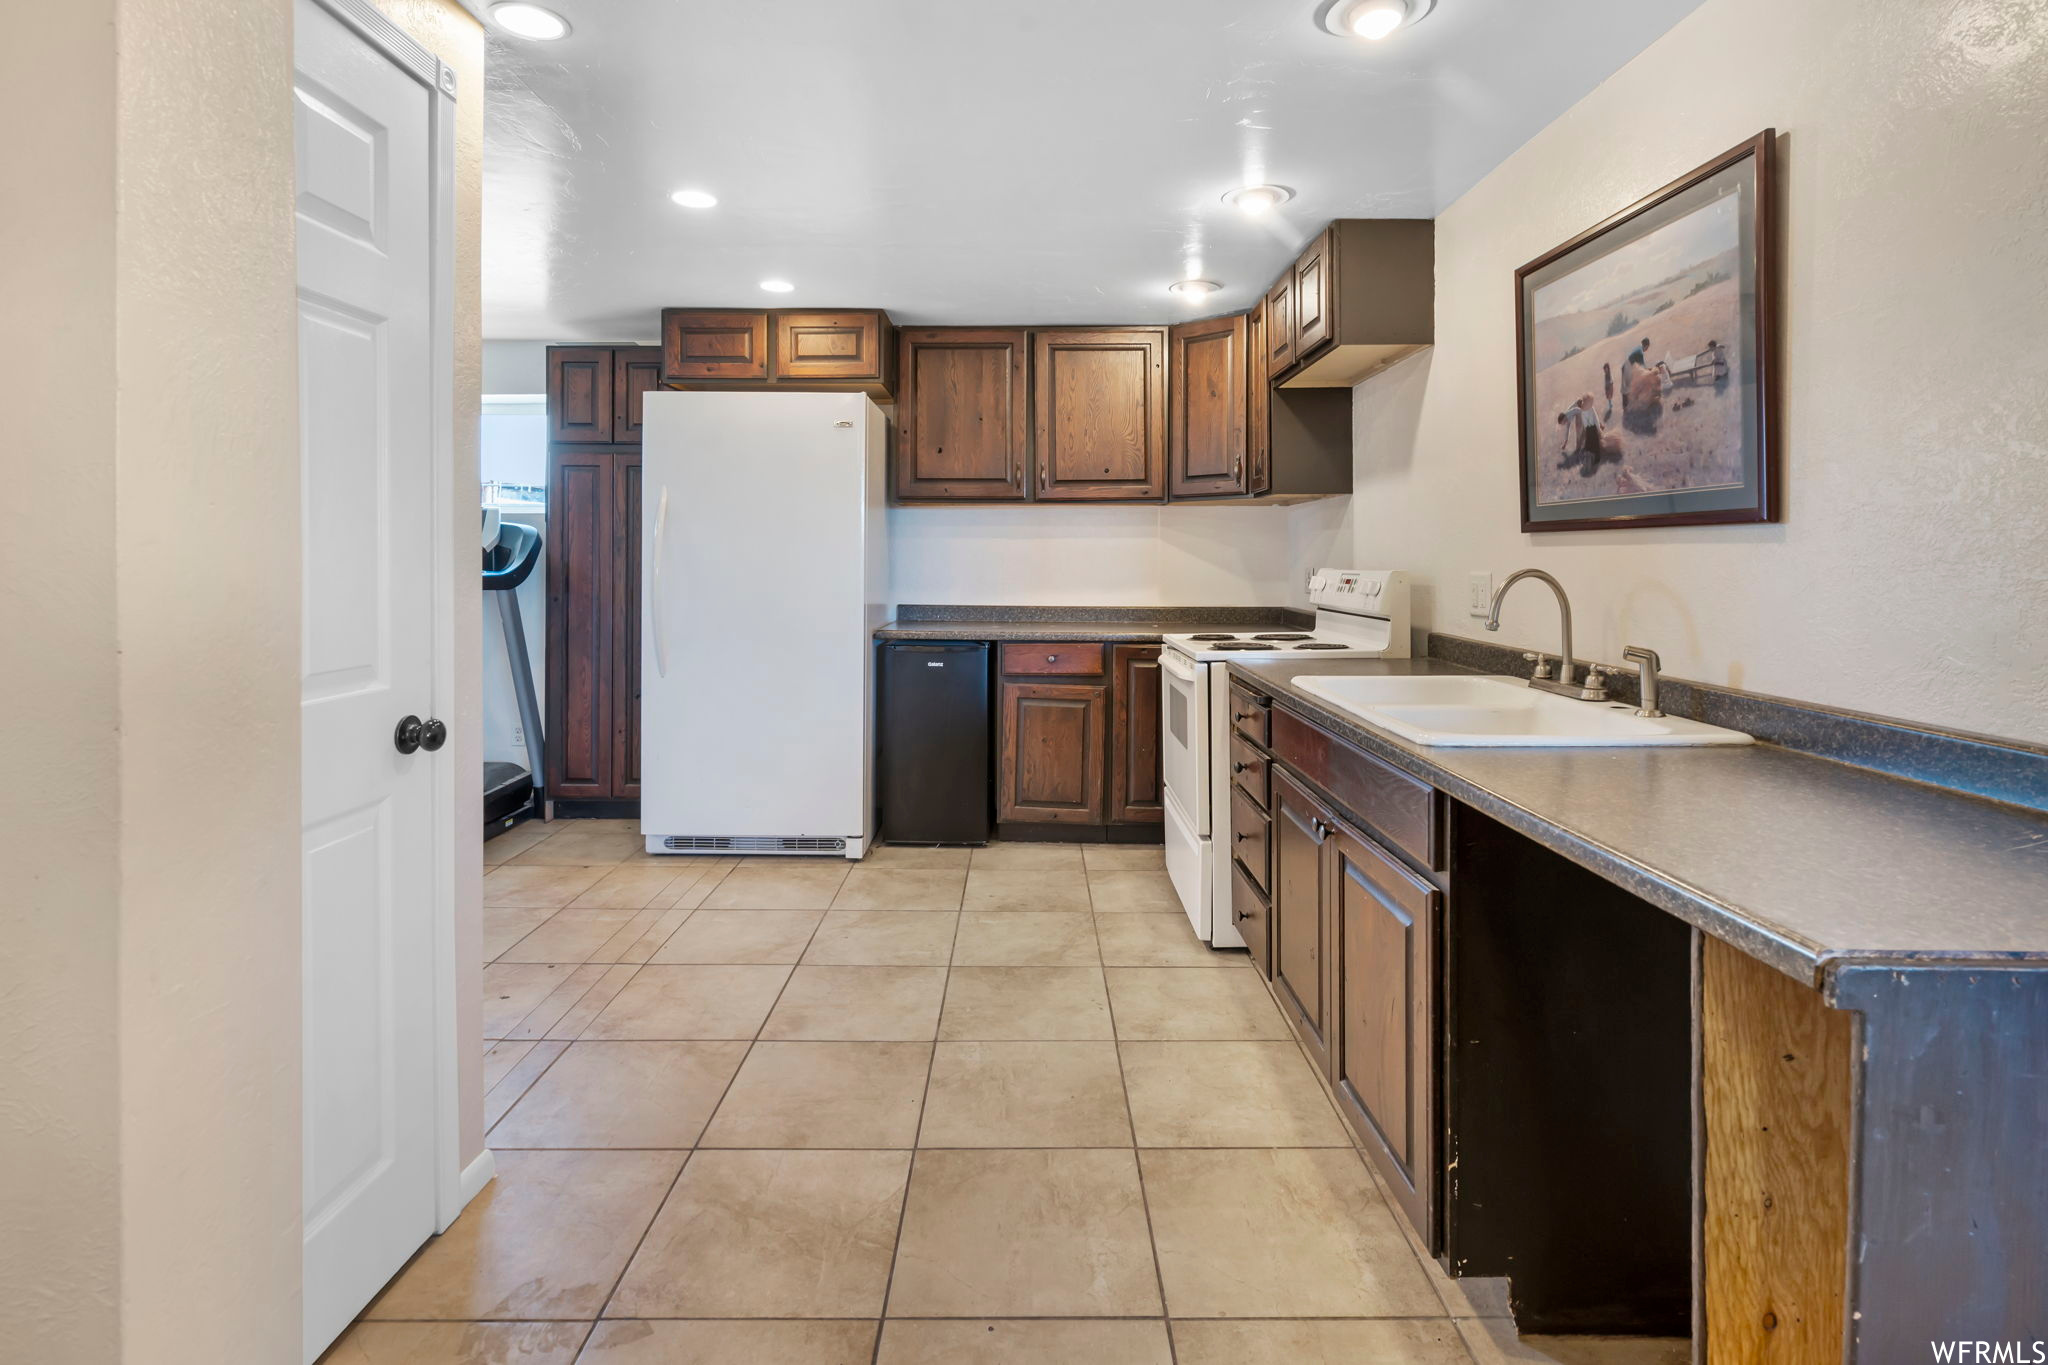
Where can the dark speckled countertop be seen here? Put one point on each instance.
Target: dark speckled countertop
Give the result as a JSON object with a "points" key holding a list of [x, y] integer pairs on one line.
{"points": [[1108, 624], [1802, 862]]}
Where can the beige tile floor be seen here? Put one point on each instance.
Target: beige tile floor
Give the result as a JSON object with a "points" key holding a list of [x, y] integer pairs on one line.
{"points": [[997, 1107]]}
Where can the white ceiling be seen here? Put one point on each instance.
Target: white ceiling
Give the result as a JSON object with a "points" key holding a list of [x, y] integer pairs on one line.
{"points": [[994, 161]]}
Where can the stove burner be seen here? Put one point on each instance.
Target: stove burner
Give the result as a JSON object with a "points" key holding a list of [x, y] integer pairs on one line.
{"points": [[1241, 644], [1321, 644], [1296, 636], [1212, 637]]}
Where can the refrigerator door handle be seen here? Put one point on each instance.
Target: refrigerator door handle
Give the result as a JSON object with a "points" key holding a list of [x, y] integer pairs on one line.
{"points": [[656, 599]]}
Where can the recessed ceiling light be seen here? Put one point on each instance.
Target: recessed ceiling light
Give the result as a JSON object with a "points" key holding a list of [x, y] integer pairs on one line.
{"points": [[694, 199], [1257, 199], [530, 21], [1193, 291], [777, 286], [1371, 19]]}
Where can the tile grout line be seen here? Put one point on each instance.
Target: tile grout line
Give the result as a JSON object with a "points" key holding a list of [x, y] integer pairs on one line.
{"points": [[917, 1137], [693, 1149]]}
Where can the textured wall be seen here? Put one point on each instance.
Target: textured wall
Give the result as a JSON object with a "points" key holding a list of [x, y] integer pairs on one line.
{"points": [[444, 29], [1910, 575], [59, 877], [206, 502], [1082, 556]]}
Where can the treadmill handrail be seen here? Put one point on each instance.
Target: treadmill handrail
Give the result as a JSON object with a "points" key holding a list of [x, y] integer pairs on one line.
{"points": [[522, 546]]}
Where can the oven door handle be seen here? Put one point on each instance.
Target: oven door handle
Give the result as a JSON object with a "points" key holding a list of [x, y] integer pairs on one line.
{"points": [[1171, 663]]}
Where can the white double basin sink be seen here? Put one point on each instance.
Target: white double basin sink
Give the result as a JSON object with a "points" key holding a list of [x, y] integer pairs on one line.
{"points": [[1506, 713]]}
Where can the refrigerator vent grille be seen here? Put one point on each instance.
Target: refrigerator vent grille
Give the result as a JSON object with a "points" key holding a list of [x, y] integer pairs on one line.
{"points": [[751, 843]]}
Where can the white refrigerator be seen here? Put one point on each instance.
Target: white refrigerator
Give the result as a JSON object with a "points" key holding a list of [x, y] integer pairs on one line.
{"points": [[764, 576]]}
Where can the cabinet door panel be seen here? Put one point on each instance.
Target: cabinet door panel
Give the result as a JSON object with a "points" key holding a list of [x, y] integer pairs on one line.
{"points": [[580, 395], [962, 414], [635, 370], [1280, 326], [703, 344], [1207, 393], [1313, 297], [1300, 939], [1100, 402], [625, 639], [581, 524], [1052, 751], [839, 348], [1258, 435], [1136, 792], [1387, 920]]}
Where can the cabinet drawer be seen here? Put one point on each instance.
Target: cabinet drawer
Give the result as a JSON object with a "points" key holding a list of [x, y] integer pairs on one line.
{"points": [[1251, 715], [1063, 661], [1253, 915], [1249, 770], [1399, 809], [1251, 833]]}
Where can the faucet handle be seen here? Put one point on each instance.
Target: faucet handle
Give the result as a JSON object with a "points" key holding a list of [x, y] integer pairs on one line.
{"points": [[1542, 663], [1596, 682]]}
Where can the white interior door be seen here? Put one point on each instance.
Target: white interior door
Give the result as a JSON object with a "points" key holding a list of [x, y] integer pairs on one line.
{"points": [[366, 445]]}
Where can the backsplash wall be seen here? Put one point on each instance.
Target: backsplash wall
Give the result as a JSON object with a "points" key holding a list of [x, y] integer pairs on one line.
{"points": [[1163, 556], [1910, 575]]}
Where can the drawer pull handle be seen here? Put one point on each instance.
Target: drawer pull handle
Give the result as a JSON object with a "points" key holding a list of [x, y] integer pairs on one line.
{"points": [[1240, 767], [1242, 836]]}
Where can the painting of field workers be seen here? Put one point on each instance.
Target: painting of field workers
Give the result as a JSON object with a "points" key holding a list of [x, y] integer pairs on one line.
{"points": [[1637, 357]]}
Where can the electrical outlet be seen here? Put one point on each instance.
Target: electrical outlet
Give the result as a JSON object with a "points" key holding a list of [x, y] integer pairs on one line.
{"points": [[519, 734], [1481, 592]]}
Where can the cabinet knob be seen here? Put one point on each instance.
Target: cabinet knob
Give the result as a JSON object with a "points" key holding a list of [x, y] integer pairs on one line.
{"points": [[1242, 835], [1052, 658]]}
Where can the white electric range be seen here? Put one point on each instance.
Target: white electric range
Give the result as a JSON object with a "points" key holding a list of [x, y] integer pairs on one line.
{"points": [[1360, 613]]}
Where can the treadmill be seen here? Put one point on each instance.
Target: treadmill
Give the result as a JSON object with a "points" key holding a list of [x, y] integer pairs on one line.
{"points": [[510, 552]]}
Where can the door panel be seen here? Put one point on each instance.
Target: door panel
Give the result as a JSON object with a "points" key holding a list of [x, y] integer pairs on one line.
{"points": [[1280, 326], [582, 402], [700, 344], [1387, 920], [1258, 437], [581, 532], [1300, 938], [830, 347], [635, 370], [1312, 296], [1052, 751], [1099, 401], [625, 628], [1136, 792], [962, 424], [1208, 397], [364, 243]]}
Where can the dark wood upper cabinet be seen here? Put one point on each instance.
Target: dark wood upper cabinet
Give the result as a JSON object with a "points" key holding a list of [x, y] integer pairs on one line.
{"points": [[1300, 927], [845, 350], [1363, 296], [635, 370], [1259, 406], [1050, 764], [963, 414], [1099, 403], [581, 388], [835, 348], [1137, 792], [1280, 325], [1209, 397], [700, 344], [1386, 919], [1312, 296]]}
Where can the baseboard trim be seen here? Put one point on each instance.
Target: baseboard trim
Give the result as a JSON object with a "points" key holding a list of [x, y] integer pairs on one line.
{"points": [[478, 1174]]}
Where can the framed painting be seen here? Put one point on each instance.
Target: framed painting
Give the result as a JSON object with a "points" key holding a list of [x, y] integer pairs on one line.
{"points": [[1645, 359]]}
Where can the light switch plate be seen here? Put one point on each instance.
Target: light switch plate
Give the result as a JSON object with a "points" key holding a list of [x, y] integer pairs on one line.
{"points": [[1481, 593]]}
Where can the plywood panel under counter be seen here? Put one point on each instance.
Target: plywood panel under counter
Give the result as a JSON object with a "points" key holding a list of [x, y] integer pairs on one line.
{"points": [[1775, 1073]]}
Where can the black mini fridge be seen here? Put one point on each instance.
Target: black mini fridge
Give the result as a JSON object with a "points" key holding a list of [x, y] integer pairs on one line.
{"points": [[934, 767]]}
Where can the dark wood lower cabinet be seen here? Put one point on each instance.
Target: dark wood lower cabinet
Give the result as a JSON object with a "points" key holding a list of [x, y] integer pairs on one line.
{"points": [[1387, 921], [1137, 788], [624, 652], [1301, 923], [1050, 770], [580, 535]]}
